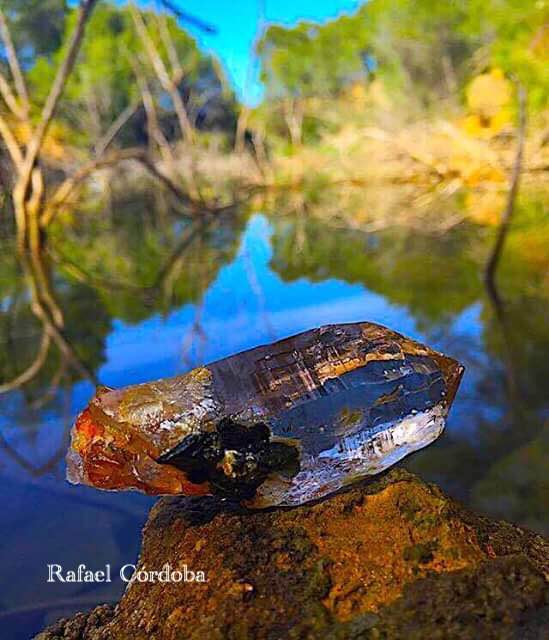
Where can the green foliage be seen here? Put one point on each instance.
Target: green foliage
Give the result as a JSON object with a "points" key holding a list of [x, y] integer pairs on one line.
{"points": [[434, 276], [103, 82], [426, 49], [310, 60], [37, 25], [521, 43]]}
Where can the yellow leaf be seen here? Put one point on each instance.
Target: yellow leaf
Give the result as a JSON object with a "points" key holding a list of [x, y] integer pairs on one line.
{"points": [[488, 93], [485, 207], [54, 145]]}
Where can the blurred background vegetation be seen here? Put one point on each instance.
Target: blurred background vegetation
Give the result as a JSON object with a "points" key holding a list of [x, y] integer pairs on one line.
{"points": [[421, 92]]}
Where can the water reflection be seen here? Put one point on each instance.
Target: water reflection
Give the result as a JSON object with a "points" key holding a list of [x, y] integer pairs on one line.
{"points": [[140, 293]]}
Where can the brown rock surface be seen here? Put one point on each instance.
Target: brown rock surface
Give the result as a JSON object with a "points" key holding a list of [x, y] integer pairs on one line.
{"points": [[394, 558]]}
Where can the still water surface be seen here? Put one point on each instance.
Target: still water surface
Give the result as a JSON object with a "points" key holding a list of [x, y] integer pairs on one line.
{"points": [[143, 296]]}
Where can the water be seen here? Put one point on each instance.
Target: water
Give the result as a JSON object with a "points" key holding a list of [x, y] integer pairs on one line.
{"points": [[142, 297]]}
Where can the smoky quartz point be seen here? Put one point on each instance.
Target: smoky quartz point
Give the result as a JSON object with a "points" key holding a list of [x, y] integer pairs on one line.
{"points": [[281, 424]]}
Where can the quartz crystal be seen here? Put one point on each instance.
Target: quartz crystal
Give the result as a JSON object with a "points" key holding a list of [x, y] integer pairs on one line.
{"points": [[281, 424]]}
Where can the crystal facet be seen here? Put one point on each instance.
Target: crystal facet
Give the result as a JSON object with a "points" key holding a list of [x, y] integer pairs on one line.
{"points": [[280, 424]]}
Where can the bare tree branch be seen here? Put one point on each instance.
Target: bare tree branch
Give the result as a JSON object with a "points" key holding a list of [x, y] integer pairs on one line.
{"points": [[54, 383], [170, 47], [67, 350], [67, 187], [57, 88], [49, 465], [10, 99], [11, 143], [170, 85], [123, 117], [154, 130], [27, 205], [13, 62], [149, 165], [187, 17], [187, 238], [41, 294], [166, 81]]}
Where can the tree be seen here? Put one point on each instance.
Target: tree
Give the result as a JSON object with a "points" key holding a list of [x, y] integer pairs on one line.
{"points": [[28, 192]]}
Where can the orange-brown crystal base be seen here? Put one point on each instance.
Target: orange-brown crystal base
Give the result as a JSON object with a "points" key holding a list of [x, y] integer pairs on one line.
{"points": [[114, 460]]}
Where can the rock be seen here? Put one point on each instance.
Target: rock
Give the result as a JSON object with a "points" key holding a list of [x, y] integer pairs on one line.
{"points": [[81, 625], [392, 559]]}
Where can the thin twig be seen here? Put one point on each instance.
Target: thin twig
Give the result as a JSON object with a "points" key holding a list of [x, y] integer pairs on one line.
{"points": [[187, 17], [121, 120]]}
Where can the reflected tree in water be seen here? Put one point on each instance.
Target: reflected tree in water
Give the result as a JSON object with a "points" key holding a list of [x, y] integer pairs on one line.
{"points": [[57, 311]]}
